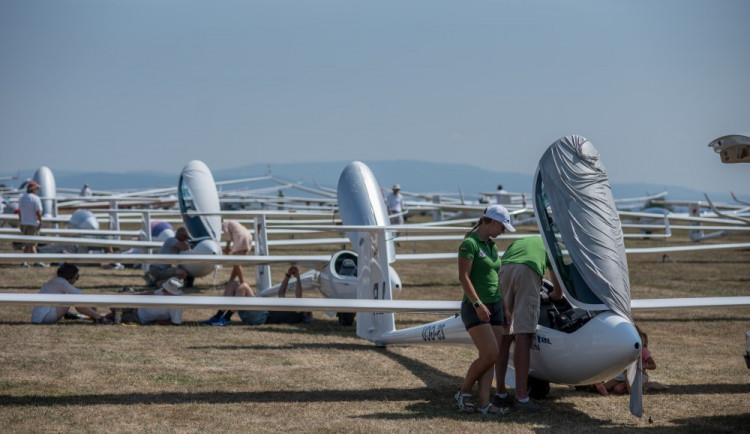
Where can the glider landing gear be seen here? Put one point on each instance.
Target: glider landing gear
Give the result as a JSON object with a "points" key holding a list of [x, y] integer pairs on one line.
{"points": [[538, 389]]}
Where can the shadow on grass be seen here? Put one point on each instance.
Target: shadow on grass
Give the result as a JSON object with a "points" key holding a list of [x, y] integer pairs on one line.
{"points": [[701, 319], [215, 397], [710, 423], [437, 384], [704, 389], [561, 415]]}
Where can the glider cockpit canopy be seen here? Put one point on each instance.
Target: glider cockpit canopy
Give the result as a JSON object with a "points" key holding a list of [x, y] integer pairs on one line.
{"points": [[197, 193], [580, 226]]}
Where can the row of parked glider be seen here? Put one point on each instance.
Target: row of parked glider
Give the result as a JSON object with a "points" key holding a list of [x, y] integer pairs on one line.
{"points": [[591, 327]]}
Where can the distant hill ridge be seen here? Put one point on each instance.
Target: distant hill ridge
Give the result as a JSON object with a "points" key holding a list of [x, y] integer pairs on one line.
{"points": [[412, 175]]}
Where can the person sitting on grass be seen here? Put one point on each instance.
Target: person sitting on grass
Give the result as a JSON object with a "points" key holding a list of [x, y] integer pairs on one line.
{"points": [[259, 317], [156, 315], [67, 275], [620, 385]]}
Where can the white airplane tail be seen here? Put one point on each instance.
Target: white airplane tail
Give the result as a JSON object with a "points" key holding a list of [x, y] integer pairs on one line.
{"points": [[374, 284]]}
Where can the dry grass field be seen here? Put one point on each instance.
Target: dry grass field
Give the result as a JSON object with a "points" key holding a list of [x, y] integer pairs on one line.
{"points": [[320, 377]]}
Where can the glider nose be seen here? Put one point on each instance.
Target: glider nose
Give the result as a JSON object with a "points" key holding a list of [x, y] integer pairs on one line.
{"points": [[624, 345]]}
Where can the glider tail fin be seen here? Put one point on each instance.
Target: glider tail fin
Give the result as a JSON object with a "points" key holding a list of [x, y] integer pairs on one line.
{"points": [[374, 284]]}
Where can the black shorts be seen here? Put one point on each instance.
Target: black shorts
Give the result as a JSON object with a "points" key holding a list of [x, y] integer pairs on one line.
{"points": [[471, 319]]}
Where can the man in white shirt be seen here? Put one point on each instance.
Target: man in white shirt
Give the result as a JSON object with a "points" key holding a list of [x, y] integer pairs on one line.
{"points": [[395, 203], [85, 191], [503, 197], [67, 275], [30, 217]]}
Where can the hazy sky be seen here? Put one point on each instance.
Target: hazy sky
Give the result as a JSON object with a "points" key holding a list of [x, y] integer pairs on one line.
{"points": [[115, 85]]}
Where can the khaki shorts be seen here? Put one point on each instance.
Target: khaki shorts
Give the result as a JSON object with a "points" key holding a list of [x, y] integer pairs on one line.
{"points": [[520, 286], [31, 230]]}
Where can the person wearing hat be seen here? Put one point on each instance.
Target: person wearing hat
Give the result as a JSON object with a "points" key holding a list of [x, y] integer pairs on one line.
{"points": [[85, 191], [481, 308], [524, 264], [395, 203], [62, 283], [157, 315], [30, 217]]}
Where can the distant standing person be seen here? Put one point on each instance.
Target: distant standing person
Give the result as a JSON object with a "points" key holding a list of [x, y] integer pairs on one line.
{"points": [[172, 246], [395, 203], [30, 217], [503, 197], [67, 275], [481, 308], [239, 242], [524, 264], [85, 191]]}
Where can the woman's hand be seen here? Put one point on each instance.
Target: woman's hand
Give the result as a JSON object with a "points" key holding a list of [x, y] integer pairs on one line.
{"points": [[483, 313]]}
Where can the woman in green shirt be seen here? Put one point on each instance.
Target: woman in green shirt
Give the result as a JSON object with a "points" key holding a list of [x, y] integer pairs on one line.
{"points": [[481, 308]]}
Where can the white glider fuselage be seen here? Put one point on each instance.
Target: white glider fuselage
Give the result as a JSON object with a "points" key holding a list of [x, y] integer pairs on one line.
{"points": [[360, 204], [600, 350], [196, 192]]}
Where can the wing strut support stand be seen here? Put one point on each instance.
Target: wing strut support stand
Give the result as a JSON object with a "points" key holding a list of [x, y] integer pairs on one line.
{"points": [[262, 272]]}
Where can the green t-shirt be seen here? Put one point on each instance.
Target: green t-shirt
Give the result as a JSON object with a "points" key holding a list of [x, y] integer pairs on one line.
{"points": [[484, 267], [529, 251]]}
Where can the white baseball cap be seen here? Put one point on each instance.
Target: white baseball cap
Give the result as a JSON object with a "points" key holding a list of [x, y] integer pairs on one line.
{"points": [[499, 213], [172, 286]]}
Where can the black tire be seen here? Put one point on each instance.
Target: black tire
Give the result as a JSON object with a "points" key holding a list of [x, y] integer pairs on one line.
{"points": [[346, 318], [538, 389]]}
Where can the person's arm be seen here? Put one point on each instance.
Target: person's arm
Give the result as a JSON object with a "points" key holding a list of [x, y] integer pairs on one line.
{"points": [[298, 289], [557, 293], [507, 316], [464, 269], [38, 217], [649, 364], [284, 284]]}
